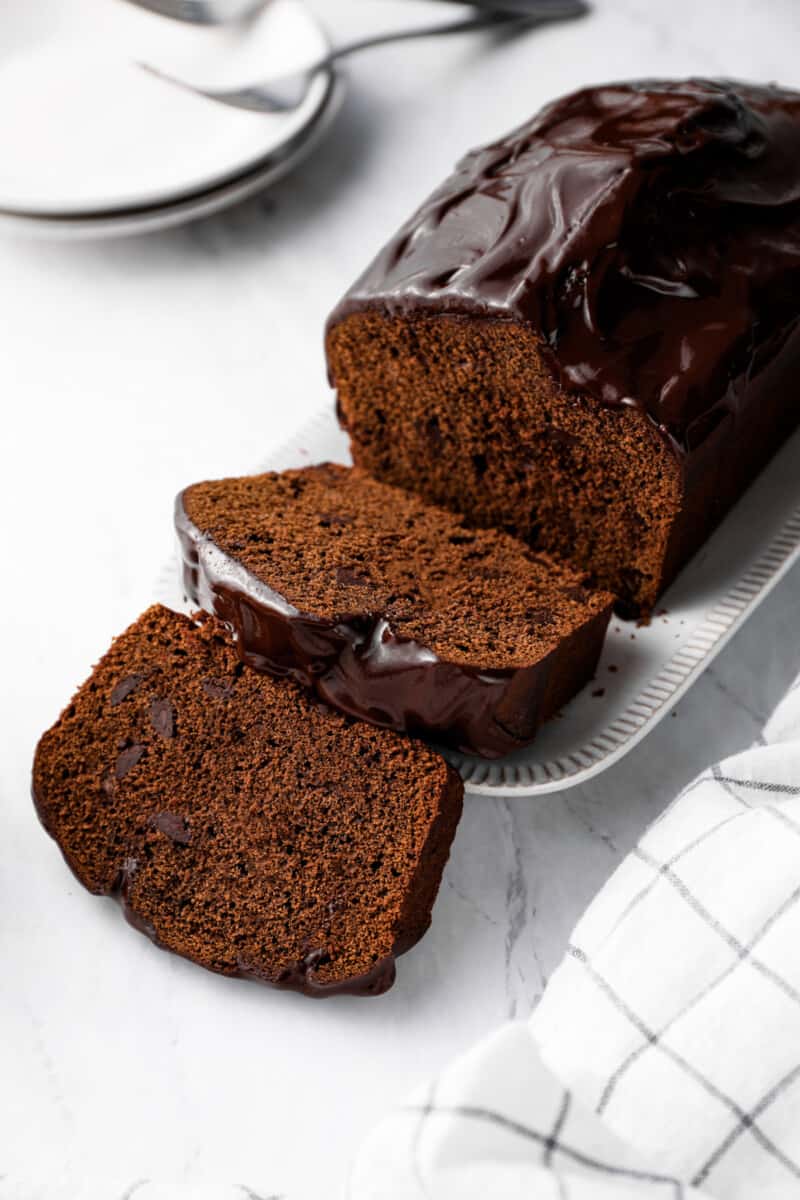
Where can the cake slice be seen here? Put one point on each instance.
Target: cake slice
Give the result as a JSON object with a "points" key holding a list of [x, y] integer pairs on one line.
{"points": [[390, 609], [590, 333], [243, 825]]}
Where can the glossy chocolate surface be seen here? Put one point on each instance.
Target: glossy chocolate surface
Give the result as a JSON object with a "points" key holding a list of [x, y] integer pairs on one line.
{"points": [[361, 666], [649, 232]]}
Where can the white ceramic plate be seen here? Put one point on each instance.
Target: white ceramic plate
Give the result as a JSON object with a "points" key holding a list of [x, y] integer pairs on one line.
{"points": [[643, 670], [91, 133], [148, 219]]}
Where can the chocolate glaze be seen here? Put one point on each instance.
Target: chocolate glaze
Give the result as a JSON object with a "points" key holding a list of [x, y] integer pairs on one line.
{"points": [[361, 666], [649, 232], [299, 977]]}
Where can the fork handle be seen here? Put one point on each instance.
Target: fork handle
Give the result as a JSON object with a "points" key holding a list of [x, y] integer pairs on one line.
{"points": [[267, 97], [513, 12], [535, 9]]}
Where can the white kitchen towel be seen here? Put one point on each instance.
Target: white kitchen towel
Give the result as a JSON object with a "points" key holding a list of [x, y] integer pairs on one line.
{"points": [[665, 1053], [497, 1125]]}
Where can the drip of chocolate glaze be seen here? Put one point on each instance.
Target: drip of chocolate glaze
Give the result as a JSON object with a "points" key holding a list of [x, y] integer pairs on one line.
{"points": [[363, 667], [648, 232], [299, 977]]}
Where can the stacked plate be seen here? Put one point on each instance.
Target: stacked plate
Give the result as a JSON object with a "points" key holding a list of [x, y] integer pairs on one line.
{"points": [[95, 146]]}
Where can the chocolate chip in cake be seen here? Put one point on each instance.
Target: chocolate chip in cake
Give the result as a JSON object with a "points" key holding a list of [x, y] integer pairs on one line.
{"points": [[124, 688], [127, 759], [349, 576], [174, 826], [163, 718], [249, 843], [217, 689]]}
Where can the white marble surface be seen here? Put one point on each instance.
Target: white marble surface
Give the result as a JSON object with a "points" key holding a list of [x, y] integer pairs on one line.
{"points": [[129, 368]]}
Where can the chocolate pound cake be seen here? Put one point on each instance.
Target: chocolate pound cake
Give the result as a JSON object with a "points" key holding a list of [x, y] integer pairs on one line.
{"points": [[244, 826], [590, 333], [391, 609]]}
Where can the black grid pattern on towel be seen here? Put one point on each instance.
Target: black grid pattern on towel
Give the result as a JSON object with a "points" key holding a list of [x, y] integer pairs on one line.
{"points": [[744, 1119], [554, 1150]]}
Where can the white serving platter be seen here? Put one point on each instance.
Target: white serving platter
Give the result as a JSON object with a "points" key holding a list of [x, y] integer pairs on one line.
{"points": [[644, 669], [91, 133]]}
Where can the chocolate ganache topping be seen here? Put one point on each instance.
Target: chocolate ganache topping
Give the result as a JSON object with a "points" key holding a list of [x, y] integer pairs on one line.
{"points": [[365, 668], [648, 231], [298, 977]]}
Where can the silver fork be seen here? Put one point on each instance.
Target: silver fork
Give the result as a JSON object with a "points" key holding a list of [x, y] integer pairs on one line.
{"points": [[286, 93], [204, 12], [222, 12]]}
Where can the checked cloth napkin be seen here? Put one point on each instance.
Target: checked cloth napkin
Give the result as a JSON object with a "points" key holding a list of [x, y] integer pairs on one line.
{"points": [[664, 1057]]}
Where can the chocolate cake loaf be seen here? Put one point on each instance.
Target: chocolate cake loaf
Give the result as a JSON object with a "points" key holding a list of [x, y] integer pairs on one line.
{"points": [[244, 826], [390, 609], [590, 333]]}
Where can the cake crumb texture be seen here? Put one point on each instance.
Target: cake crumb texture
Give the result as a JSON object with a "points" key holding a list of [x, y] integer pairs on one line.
{"points": [[335, 543], [467, 414], [244, 826]]}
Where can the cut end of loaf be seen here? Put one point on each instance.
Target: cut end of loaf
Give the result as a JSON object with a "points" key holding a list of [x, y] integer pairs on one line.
{"points": [[467, 413]]}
